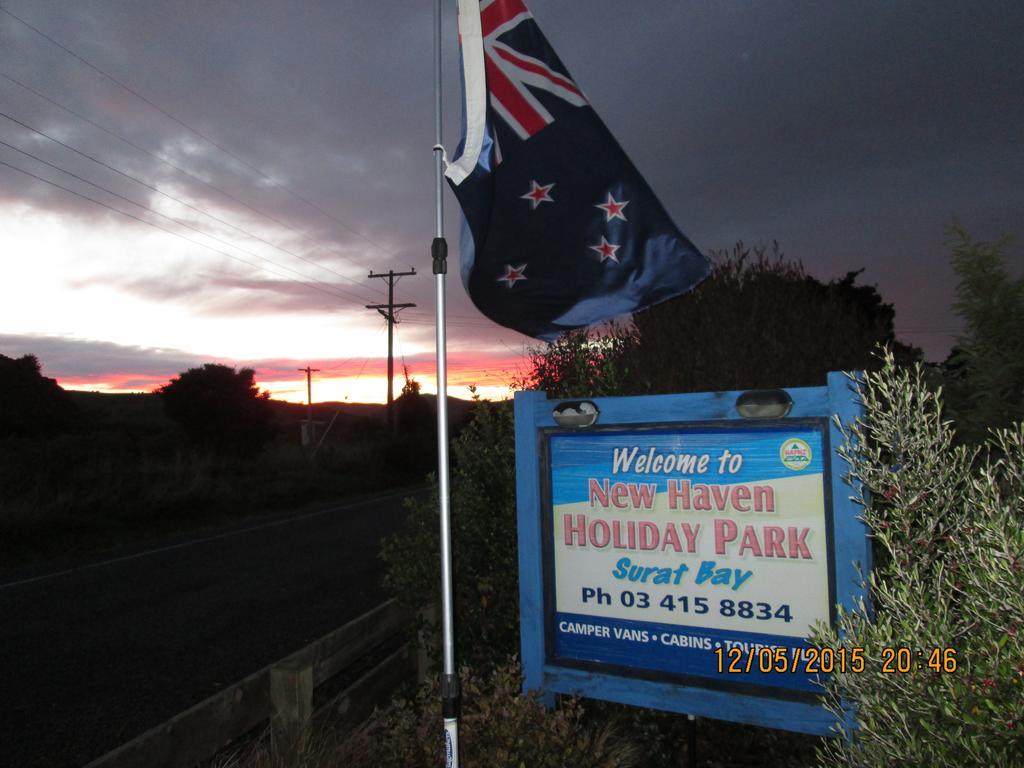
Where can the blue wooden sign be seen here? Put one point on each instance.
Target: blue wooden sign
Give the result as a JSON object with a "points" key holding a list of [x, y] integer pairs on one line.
{"points": [[675, 554]]}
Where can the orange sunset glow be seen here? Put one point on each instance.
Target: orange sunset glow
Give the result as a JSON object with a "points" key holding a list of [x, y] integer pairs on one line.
{"points": [[360, 381]]}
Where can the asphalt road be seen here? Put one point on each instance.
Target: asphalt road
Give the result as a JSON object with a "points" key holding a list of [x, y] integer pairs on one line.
{"points": [[93, 655]]}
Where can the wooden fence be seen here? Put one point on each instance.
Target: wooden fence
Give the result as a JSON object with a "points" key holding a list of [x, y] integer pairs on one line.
{"points": [[281, 693]]}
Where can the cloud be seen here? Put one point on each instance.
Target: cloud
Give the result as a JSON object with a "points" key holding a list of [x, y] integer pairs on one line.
{"points": [[240, 296], [85, 359], [844, 131], [162, 288], [84, 363], [229, 295]]}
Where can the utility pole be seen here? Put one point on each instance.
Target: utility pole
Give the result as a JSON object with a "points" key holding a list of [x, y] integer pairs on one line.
{"points": [[307, 433], [390, 313]]}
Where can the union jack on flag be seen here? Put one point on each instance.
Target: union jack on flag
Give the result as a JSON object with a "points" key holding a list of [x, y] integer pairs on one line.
{"points": [[561, 231], [511, 74]]}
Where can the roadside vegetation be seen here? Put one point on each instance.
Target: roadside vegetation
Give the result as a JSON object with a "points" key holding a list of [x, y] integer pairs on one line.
{"points": [[498, 727], [81, 471]]}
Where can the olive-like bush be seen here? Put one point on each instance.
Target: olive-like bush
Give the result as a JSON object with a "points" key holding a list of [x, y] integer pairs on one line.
{"points": [[946, 523]]}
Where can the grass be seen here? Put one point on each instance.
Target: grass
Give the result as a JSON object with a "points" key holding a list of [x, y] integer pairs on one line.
{"points": [[126, 474]]}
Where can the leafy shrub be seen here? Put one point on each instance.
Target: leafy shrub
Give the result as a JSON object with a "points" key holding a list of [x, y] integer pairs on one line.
{"points": [[412, 454], [948, 573], [499, 727], [582, 363], [483, 541], [30, 403]]}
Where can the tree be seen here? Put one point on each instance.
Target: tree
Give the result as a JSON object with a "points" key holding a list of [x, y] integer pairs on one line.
{"points": [[986, 369], [413, 412], [220, 409], [32, 403], [411, 386]]}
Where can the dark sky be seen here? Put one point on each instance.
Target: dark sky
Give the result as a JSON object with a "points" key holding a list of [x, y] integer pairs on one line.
{"points": [[850, 132]]}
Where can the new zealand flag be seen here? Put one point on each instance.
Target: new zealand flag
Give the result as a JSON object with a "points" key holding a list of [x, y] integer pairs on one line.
{"points": [[563, 232]]}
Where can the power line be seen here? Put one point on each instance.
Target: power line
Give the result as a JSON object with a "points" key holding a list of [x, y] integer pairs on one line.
{"points": [[198, 133], [451, 321], [469, 322], [365, 361], [362, 368], [313, 282], [401, 351], [457, 323], [169, 197], [194, 178], [479, 319], [380, 330], [475, 319], [130, 90], [163, 229]]}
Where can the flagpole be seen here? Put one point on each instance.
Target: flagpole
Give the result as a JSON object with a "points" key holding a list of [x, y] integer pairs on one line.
{"points": [[439, 254]]}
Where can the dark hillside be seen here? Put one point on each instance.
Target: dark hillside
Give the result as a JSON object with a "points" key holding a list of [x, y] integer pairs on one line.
{"points": [[102, 410], [122, 471], [353, 414]]}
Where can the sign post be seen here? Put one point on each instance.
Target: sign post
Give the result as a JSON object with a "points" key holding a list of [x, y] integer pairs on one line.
{"points": [[676, 555]]}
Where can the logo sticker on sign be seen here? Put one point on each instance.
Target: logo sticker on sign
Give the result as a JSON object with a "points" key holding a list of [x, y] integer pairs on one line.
{"points": [[795, 454]]}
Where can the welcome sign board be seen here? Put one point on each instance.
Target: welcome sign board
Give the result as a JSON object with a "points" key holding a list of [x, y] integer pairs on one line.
{"points": [[668, 544], [665, 549]]}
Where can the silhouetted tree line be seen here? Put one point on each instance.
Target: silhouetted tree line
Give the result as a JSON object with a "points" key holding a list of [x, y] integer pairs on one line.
{"points": [[757, 321], [760, 321]]}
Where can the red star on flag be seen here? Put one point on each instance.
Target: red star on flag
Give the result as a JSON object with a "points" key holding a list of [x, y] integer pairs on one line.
{"points": [[538, 194], [606, 250], [613, 208], [513, 274]]}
